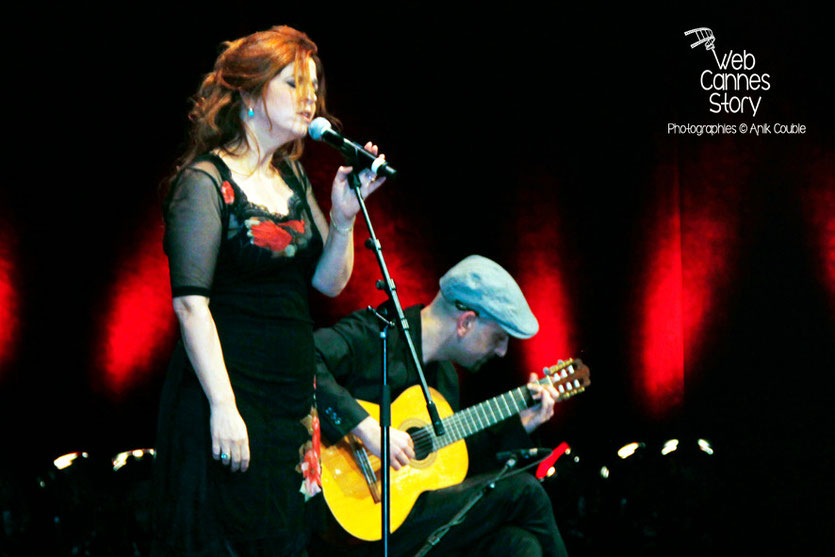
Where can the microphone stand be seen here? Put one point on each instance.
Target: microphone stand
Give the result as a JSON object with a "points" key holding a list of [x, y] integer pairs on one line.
{"points": [[385, 423], [388, 285], [436, 536]]}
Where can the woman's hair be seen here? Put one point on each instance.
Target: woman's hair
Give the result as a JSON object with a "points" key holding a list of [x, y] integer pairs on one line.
{"points": [[244, 68]]}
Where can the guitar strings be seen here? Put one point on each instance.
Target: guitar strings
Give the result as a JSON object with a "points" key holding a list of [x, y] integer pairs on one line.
{"points": [[469, 421], [462, 424]]}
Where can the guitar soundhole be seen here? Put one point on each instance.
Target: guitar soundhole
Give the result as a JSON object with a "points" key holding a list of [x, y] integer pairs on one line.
{"points": [[422, 441]]}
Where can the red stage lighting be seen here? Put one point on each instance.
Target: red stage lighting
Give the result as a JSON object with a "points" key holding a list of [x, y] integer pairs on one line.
{"points": [[820, 208], [694, 238], [540, 266], [543, 287], [661, 381], [9, 292], [139, 321]]}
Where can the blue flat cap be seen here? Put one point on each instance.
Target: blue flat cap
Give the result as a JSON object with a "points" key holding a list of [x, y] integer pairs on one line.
{"points": [[483, 285]]}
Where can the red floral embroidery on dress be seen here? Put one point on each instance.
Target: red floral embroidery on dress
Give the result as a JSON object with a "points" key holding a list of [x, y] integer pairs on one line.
{"points": [[297, 225], [267, 234], [228, 192], [275, 237], [310, 466]]}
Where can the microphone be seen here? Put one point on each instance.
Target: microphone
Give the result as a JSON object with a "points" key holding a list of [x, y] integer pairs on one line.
{"points": [[522, 454], [320, 130]]}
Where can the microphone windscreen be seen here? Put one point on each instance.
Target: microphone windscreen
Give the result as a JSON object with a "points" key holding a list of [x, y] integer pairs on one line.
{"points": [[318, 127]]}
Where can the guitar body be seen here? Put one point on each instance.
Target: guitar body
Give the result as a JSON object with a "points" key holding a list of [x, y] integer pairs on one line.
{"points": [[347, 492], [351, 478]]}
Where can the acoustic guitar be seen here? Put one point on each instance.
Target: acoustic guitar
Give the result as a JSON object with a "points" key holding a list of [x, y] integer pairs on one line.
{"points": [[351, 476]]}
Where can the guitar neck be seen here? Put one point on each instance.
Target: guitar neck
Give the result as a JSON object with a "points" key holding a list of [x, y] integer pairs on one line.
{"points": [[481, 416], [566, 379]]}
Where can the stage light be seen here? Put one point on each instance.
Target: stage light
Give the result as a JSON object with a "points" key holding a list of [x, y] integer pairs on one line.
{"points": [[704, 445], [669, 446], [604, 472], [121, 459], [666, 492], [131, 500], [628, 450], [67, 460]]}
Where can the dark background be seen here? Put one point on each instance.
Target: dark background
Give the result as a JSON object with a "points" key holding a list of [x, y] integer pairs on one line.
{"points": [[496, 118]]}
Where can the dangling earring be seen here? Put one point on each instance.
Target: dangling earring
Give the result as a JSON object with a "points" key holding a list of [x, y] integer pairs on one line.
{"points": [[251, 112]]}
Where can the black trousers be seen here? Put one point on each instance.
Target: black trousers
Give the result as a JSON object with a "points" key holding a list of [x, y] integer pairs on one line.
{"points": [[514, 518]]}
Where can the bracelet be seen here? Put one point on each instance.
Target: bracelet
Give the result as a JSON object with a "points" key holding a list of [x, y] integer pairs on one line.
{"points": [[345, 231]]}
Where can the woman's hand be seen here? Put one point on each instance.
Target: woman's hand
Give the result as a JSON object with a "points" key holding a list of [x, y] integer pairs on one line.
{"points": [[344, 204], [337, 262], [230, 441], [229, 435]]}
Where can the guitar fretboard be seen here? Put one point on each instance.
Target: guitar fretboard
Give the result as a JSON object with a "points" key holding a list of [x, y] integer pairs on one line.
{"points": [[481, 416], [488, 413]]}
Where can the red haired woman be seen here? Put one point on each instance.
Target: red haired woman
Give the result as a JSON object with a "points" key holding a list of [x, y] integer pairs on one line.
{"points": [[245, 239]]}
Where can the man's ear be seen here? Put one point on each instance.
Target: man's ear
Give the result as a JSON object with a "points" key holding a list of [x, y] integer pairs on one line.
{"points": [[465, 323]]}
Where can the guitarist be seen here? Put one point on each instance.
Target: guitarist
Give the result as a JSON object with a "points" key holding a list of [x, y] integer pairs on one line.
{"points": [[479, 306]]}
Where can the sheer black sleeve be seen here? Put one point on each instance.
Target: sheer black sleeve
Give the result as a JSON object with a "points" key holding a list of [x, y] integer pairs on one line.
{"points": [[194, 213], [338, 358]]}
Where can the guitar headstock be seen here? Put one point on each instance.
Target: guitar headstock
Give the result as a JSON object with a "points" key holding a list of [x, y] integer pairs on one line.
{"points": [[568, 377]]}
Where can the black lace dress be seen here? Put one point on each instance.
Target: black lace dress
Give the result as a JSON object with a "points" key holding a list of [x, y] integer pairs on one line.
{"points": [[256, 268]]}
